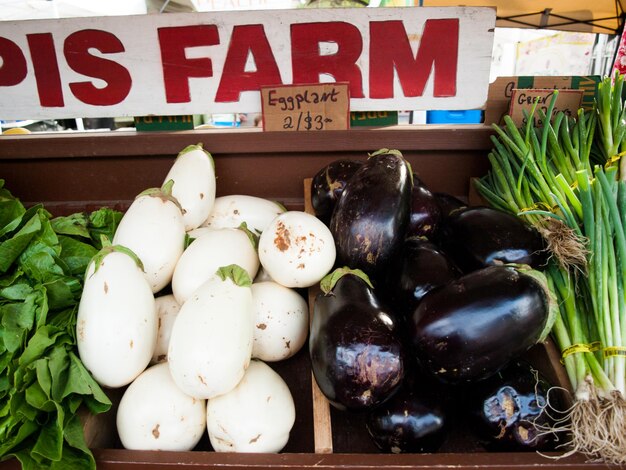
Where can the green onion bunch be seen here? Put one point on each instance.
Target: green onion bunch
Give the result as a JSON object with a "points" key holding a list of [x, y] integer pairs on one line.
{"points": [[561, 174]]}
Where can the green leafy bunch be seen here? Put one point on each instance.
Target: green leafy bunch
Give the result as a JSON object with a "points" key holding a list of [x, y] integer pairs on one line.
{"points": [[43, 383]]}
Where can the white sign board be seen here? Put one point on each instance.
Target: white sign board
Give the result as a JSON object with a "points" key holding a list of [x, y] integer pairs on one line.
{"points": [[197, 63]]}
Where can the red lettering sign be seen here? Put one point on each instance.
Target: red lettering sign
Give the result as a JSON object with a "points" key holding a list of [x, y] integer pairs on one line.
{"points": [[177, 68], [46, 68], [247, 40], [390, 50], [307, 62], [213, 63], [76, 51], [13, 70]]}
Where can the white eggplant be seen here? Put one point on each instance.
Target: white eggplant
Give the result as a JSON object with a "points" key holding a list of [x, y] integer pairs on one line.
{"points": [[257, 416], [297, 249], [166, 310], [211, 342], [154, 414], [232, 210], [209, 252], [281, 321], [193, 174], [153, 229], [116, 326], [199, 232]]}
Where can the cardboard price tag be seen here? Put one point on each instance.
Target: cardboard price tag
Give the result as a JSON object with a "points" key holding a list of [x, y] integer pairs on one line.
{"points": [[500, 91], [567, 101], [306, 107]]}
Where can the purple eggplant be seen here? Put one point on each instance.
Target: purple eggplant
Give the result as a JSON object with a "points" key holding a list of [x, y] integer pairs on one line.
{"points": [[371, 217], [510, 409], [328, 184], [411, 421], [474, 326], [357, 356], [448, 203], [425, 212], [476, 237], [419, 267]]}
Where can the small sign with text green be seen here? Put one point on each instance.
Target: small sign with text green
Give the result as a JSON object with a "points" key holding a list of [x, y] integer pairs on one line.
{"points": [[524, 100], [373, 118], [164, 123]]}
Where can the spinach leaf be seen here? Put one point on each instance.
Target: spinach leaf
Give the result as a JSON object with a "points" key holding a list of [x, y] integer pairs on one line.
{"points": [[43, 383], [103, 222], [76, 255], [13, 247], [75, 224]]}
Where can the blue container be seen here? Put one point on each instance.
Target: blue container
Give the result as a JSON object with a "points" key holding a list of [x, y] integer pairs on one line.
{"points": [[468, 116]]}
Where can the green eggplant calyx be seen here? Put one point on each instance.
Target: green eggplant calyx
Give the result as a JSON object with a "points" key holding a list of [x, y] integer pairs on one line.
{"points": [[167, 187], [235, 273], [330, 280], [395, 152], [198, 146], [191, 148], [553, 306], [164, 193], [108, 248], [188, 240], [254, 238], [152, 192]]}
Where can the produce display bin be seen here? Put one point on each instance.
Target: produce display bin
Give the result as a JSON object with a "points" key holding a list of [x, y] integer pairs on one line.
{"points": [[70, 172]]}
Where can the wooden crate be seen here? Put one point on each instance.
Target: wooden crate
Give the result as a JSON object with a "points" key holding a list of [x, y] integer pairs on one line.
{"points": [[73, 172]]}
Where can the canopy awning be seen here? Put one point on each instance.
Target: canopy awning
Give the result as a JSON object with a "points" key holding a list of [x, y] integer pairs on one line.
{"points": [[593, 16]]}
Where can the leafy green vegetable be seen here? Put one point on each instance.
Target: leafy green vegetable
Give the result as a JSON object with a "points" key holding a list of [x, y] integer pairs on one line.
{"points": [[43, 383]]}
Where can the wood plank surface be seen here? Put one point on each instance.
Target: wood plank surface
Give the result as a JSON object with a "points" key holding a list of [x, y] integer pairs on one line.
{"points": [[322, 424]]}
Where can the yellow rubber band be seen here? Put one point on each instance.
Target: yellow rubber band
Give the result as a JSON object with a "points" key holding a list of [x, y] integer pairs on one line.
{"points": [[613, 351], [614, 158], [539, 205], [580, 348]]}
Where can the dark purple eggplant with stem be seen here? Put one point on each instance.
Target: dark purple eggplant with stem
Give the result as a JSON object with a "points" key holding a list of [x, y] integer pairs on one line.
{"points": [[476, 237], [371, 217], [474, 326], [357, 356], [327, 186]]}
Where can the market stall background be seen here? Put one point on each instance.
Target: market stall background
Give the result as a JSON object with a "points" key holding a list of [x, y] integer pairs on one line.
{"points": [[531, 38], [68, 173]]}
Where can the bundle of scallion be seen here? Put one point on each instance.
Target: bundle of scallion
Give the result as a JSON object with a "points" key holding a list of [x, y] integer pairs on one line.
{"points": [[561, 174]]}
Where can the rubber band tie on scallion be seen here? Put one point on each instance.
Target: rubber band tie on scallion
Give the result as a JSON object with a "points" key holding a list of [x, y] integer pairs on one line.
{"points": [[566, 177]]}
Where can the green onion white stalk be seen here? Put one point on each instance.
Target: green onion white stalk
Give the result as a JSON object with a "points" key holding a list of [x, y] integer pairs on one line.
{"points": [[562, 176]]}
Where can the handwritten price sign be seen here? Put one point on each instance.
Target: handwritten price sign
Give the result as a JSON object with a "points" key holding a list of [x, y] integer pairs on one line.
{"points": [[306, 107], [567, 101]]}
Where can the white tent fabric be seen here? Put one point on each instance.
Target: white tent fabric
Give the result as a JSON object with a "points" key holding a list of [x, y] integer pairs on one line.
{"points": [[593, 16], [12, 10], [597, 16]]}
